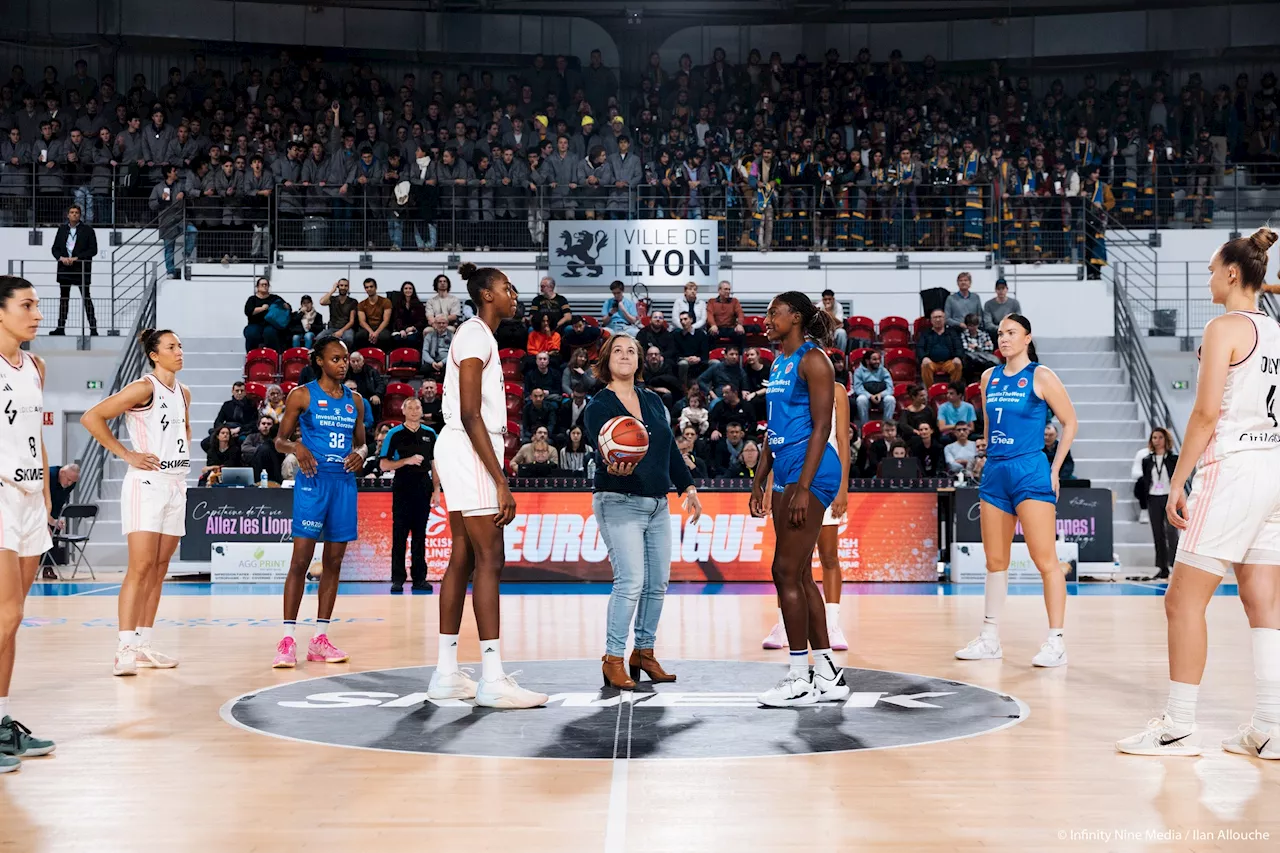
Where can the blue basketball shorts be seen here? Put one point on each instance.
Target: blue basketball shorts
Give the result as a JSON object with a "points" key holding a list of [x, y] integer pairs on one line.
{"points": [[324, 508], [826, 483], [1008, 482]]}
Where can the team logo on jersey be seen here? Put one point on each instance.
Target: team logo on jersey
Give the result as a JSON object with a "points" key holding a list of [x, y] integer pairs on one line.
{"points": [[164, 422], [351, 410], [789, 366], [1022, 383]]}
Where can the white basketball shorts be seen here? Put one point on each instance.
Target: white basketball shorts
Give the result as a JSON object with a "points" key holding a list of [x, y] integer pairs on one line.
{"points": [[1235, 513], [829, 521], [24, 523], [467, 486], [151, 502]]}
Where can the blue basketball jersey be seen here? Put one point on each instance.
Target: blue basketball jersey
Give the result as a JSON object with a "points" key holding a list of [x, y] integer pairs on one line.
{"points": [[790, 422], [328, 428], [1015, 415]]}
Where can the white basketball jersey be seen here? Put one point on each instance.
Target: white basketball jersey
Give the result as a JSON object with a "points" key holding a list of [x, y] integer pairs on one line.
{"points": [[1247, 419], [22, 414], [474, 339], [161, 428], [832, 440]]}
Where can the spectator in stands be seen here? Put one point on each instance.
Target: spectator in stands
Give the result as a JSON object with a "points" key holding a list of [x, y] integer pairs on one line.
{"points": [[692, 349], [223, 452], [305, 323], [168, 203], [408, 318], [873, 386], [687, 442], [367, 381], [999, 307], [962, 452], [726, 447], [74, 246], [728, 371], [757, 373], [264, 434], [545, 376], [544, 338], [263, 330], [658, 334], [660, 377], [1068, 470], [964, 301], [695, 412], [432, 405], [928, 452], [373, 317], [444, 303], [939, 350], [569, 413], [579, 335], [238, 414], [273, 406], [979, 349], [435, 347], [619, 312], [534, 458], [690, 302], [898, 450], [575, 452], [537, 413], [578, 371], [744, 467], [916, 411], [62, 482], [342, 311], [728, 409], [954, 412], [552, 304], [836, 310], [725, 317], [872, 451], [980, 459]]}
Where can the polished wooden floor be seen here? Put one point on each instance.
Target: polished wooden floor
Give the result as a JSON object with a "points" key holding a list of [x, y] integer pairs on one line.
{"points": [[147, 764]]}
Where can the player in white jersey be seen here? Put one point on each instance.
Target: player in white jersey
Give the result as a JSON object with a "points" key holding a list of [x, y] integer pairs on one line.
{"points": [[24, 494], [829, 536], [153, 496], [1232, 519], [469, 463]]}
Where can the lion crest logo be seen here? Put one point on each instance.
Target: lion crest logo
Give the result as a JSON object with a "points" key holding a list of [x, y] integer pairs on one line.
{"points": [[584, 247]]}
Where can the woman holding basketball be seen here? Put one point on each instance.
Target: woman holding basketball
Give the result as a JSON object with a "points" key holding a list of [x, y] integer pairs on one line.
{"points": [[807, 476], [637, 462]]}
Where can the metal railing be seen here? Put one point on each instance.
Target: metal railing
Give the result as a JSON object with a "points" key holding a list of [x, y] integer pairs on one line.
{"points": [[129, 367], [1190, 195], [1142, 378]]}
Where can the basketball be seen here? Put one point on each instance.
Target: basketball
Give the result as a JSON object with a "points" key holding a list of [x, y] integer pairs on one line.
{"points": [[623, 440]]}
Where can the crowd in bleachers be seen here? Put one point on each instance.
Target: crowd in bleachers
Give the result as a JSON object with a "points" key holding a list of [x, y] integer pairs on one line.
{"points": [[909, 381], [832, 153]]}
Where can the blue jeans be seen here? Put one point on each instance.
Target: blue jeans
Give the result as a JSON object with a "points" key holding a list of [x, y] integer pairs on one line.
{"points": [[306, 339], [887, 402], [188, 249], [637, 532], [395, 230]]}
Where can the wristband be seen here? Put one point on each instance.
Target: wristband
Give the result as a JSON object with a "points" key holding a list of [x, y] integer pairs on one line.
{"points": [[363, 451]]}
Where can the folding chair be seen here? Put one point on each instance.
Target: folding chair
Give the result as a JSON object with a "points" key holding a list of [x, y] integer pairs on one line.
{"points": [[75, 542]]}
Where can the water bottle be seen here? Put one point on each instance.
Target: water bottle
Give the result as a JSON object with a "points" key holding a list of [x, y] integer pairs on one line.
{"points": [[262, 479], [591, 468]]}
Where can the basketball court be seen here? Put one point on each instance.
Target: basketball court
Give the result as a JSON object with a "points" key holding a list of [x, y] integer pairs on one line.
{"points": [[928, 753]]}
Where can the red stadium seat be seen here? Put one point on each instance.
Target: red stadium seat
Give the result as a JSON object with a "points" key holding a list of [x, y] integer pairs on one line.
{"points": [[918, 327], [871, 429], [973, 394], [753, 320], [376, 357], [860, 328], [261, 365], [900, 394], [404, 363], [391, 422], [937, 393], [515, 388], [766, 355], [855, 357], [513, 426], [511, 444], [292, 363], [756, 340], [256, 391], [832, 352], [286, 386], [515, 406], [509, 354], [393, 400], [511, 371], [592, 321], [895, 332], [902, 365], [717, 354]]}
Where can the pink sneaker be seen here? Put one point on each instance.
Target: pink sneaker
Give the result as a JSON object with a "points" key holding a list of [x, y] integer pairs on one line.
{"points": [[286, 654], [326, 652]]}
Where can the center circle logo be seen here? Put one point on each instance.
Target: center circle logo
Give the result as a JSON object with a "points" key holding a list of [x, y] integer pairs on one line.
{"points": [[710, 712]]}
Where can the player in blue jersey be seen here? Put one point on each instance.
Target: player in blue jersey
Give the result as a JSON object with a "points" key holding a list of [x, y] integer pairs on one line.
{"points": [[330, 448], [806, 479], [1020, 485]]}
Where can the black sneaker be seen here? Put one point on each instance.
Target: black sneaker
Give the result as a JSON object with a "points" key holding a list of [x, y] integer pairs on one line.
{"points": [[421, 586], [397, 588]]}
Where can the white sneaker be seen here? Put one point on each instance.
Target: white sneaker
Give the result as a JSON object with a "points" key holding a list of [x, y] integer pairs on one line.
{"points": [[832, 689], [126, 661], [1143, 518], [795, 689], [1254, 743], [455, 685], [507, 695], [777, 638], [1162, 737], [1052, 653], [149, 658], [836, 635], [982, 648]]}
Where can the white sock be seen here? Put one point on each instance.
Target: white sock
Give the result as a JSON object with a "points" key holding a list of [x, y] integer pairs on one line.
{"points": [[1266, 668], [833, 613], [1056, 634], [144, 635], [780, 622], [290, 625], [4, 706], [447, 657], [322, 627], [823, 664], [993, 603], [490, 661], [1182, 703], [799, 662], [128, 638]]}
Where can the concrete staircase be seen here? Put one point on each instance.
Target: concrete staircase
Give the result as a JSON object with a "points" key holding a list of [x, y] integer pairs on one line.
{"points": [[1111, 432]]}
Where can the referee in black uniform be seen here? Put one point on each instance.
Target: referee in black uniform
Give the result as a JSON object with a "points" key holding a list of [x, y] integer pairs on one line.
{"points": [[409, 450]]}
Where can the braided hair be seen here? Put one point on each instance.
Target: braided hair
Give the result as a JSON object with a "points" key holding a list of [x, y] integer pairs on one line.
{"points": [[817, 324]]}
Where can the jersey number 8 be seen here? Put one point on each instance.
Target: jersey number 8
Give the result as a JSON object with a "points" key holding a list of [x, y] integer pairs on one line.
{"points": [[31, 442]]}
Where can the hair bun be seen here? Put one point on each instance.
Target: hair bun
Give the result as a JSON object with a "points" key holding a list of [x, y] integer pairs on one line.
{"points": [[466, 271], [1264, 238], [144, 335]]}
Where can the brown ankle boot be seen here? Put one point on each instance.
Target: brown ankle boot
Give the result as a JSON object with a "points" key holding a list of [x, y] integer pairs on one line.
{"points": [[614, 675], [643, 659]]}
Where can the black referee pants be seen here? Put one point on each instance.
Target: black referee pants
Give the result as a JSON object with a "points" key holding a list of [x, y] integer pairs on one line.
{"points": [[409, 513]]}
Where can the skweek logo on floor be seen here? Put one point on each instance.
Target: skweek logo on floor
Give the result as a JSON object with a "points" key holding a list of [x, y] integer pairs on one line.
{"points": [[711, 712]]}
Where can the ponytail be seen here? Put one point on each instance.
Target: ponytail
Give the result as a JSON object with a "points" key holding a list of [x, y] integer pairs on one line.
{"points": [[1026, 326], [1031, 351]]}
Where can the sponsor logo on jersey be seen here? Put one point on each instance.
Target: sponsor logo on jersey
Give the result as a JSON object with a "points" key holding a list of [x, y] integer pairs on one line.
{"points": [[998, 437], [28, 475], [8, 387], [170, 464], [1260, 437]]}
